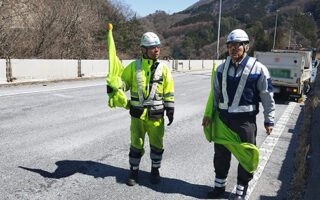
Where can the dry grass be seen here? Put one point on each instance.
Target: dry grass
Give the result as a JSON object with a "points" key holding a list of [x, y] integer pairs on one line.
{"points": [[300, 177]]}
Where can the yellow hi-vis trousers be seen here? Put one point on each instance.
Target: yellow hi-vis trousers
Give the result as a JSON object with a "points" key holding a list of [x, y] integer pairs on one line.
{"points": [[154, 128]]}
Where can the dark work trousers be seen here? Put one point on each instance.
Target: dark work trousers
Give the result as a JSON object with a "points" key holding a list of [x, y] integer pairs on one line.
{"points": [[247, 130]]}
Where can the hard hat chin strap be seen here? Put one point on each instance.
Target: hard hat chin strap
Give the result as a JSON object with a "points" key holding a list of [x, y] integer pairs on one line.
{"points": [[239, 59], [244, 51], [145, 54]]}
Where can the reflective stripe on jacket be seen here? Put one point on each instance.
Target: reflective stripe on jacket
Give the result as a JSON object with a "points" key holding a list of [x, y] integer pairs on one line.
{"points": [[151, 87], [238, 90]]}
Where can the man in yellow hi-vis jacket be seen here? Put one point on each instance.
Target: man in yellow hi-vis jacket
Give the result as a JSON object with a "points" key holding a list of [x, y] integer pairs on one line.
{"points": [[152, 93]]}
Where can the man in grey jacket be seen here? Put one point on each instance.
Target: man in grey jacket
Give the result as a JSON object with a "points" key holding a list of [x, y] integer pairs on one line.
{"points": [[239, 85]]}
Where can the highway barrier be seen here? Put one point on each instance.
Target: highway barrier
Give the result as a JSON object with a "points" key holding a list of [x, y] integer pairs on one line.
{"points": [[94, 68], [3, 73], [41, 70], [35, 70]]}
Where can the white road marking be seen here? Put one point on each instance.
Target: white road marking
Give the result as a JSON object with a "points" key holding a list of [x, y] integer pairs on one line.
{"points": [[267, 147], [63, 96], [48, 90]]}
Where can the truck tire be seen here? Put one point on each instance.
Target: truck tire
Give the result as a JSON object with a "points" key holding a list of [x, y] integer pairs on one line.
{"points": [[306, 87]]}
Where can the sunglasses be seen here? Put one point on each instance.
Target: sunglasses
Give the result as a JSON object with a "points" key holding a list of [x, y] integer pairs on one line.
{"points": [[234, 44]]}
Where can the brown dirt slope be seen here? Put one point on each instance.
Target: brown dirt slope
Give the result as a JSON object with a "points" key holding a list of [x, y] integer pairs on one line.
{"points": [[306, 180]]}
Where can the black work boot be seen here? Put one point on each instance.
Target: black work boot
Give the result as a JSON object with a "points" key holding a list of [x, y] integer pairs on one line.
{"points": [[241, 192], [238, 197], [155, 176], [133, 178], [216, 193]]}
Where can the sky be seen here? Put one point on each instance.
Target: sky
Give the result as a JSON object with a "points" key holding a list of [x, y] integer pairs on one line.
{"points": [[146, 7]]}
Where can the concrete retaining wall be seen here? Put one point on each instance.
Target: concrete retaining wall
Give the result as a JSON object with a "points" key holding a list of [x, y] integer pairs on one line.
{"points": [[94, 68], [168, 63], [219, 62], [40, 70], [182, 65], [126, 62], [26, 70], [208, 64], [188, 65], [197, 65], [3, 77]]}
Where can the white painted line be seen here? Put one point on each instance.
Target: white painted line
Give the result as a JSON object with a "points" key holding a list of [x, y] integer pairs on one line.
{"points": [[267, 147], [49, 90], [63, 96]]}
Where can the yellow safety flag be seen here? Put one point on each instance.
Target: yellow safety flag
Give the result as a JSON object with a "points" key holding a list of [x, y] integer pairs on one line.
{"points": [[247, 154], [117, 98]]}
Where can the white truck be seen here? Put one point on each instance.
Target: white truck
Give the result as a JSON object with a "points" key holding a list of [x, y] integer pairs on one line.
{"points": [[290, 71]]}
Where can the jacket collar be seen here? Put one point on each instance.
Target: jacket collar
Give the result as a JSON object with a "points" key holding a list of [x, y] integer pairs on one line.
{"points": [[147, 62]]}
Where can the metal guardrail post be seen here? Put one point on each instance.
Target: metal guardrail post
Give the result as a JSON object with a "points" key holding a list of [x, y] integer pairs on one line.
{"points": [[8, 70], [79, 68], [173, 67], [176, 65]]}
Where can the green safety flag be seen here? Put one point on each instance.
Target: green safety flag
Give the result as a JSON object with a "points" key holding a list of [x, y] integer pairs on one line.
{"points": [[117, 98], [247, 154]]}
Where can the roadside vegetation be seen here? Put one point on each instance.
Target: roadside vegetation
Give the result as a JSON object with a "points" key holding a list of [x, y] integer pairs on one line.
{"points": [[75, 29], [303, 151], [65, 29]]}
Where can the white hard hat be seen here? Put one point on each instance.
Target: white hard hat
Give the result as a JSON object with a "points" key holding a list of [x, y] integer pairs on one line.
{"points": [[238, 35], [149, 40]]}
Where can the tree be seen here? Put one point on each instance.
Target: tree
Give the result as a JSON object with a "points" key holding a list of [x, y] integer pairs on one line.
{"points": [[187, 47], [64, 29], [306, 26]]}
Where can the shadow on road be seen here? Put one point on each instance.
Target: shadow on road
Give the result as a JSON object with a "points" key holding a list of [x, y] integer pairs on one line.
{"points": [[280, 99], [68, 168], [287, 169]]}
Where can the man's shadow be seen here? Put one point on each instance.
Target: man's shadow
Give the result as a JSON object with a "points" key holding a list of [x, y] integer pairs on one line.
{"points": [[68, 168]]}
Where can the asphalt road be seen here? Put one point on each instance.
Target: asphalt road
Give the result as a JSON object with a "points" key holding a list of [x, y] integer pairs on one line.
{"points": [[62, 141]]}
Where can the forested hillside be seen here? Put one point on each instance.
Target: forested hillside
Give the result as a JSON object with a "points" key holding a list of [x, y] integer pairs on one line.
{"points": [[195, 35], [65, 29], [77, 28]]}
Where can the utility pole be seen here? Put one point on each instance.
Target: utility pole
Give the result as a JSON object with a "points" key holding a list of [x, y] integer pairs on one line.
{"points": [[275, 30], [219, 30]]}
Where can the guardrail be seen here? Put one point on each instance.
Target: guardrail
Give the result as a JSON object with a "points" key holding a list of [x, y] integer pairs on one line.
{"points": [[33, 70]]}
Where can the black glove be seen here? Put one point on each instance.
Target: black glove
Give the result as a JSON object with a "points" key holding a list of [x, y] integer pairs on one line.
{"points": [[170, 118], [109, 89]]}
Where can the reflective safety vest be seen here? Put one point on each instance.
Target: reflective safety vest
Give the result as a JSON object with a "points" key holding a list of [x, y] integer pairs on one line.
{"points": [[247, 154], [235, 107], [151, 88]]}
